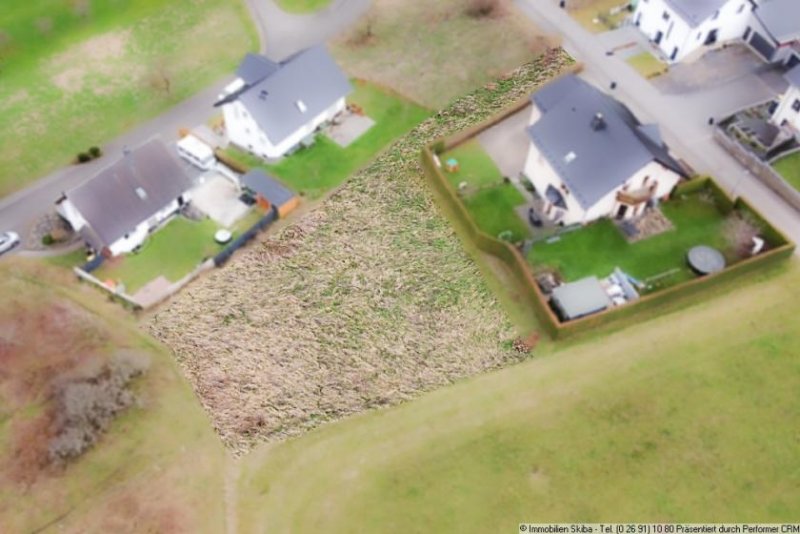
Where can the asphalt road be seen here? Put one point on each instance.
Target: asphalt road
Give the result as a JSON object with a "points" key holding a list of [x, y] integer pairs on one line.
{"points": [[683, 118], [281, 35]]}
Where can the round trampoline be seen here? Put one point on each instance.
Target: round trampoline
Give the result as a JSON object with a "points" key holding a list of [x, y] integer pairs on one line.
{"points": [[222, 236], [705, 260]]}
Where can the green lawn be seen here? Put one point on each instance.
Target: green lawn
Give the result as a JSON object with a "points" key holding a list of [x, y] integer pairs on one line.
{"points": [[789, 168], [318, 169], [476, 168], [490, 201], [173, 252], [647, 65], [492, 209], [587, 11], [76, 74], [302, 6], [600, 246], [690, 417]]}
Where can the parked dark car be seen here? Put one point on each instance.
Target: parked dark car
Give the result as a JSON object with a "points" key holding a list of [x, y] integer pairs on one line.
{"points": [[534, 217]]}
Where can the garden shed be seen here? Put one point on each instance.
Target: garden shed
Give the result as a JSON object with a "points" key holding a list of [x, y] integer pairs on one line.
{"points": [[581, 298], [270, 192]]}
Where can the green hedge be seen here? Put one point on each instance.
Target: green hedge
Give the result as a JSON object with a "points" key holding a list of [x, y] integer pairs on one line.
{"points": [[644, 308]]}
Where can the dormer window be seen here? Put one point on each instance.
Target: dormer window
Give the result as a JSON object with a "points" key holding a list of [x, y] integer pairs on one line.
{"points": [[569, 157], [301, 106], [141, 193]]}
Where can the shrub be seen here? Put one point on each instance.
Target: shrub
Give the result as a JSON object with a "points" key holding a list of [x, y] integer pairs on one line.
{"points": [[95, 152], [480, 9], [505, 235], [48, 239], [84, 408], [83, 157]]}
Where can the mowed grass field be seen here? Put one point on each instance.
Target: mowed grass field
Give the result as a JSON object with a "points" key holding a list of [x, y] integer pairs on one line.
{"points": [[690, 417], [433, 52], [76, 74], [159, 468], [302, 6]]}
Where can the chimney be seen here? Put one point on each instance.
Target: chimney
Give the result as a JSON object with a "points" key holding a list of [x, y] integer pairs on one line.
{"points": [[598, 122]]}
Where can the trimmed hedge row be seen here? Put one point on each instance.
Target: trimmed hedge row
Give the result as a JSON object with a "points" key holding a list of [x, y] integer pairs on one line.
{"points": [[647, 306]]}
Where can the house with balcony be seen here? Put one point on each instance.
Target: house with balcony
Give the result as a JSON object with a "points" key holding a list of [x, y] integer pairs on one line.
{"points": [[684, 29], [589, 156], [271, 108]]}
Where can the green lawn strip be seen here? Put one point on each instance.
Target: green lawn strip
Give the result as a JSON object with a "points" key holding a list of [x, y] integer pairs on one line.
{"points": [[600, 246], [600, 10], [69, 260], [475, 167], [173, 252], [302, 6], [317, 169], [652, 422], [789, 168], [647, 65], [72, 81], [492, 209]]}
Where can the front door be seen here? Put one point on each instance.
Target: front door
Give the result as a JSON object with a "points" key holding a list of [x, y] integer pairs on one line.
{"points": [[711, 38], [623, 209], [674, 54], [659, 36]]}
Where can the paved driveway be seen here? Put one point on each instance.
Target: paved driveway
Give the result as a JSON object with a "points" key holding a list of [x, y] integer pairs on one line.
{"points": [[218, 198], [718, 68], [507, 143]]}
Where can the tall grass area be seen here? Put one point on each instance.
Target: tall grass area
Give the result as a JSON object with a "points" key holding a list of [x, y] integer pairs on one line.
{"points": [[76, 74], [689, 417]]}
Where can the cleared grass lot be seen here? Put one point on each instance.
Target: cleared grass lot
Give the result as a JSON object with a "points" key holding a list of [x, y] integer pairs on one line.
{"points": [[75, 74], [432, 52], [689, 417]]}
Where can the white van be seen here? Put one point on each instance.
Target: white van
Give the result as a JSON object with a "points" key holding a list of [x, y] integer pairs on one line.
{"points": [[196, 152]]}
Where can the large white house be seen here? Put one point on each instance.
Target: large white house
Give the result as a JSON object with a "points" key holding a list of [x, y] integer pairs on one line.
{"points": [[774, 31], [788, 110], [590, 157], [271, 107], [685, 28], [115, 210]]}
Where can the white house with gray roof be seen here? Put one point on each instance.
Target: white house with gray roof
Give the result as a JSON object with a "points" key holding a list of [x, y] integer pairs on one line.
{"points": [[788, 110], [590, 157], [774, 31], [116, 209], [685, 28], [271, 107]]}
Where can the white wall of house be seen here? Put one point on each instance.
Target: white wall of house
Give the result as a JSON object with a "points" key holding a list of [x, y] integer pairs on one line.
{"points": [[541, 174], [67, 209], [243, 130], [788, 109], [138, 235], [677, 39]]}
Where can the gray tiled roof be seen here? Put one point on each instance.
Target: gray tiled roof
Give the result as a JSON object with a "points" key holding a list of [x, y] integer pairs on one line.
{"points": [[781, 18], [696, 11], [109, 201], [311, 77], [793, 76], [584, 297], [255, 68], [261, 183], [600, 160]]}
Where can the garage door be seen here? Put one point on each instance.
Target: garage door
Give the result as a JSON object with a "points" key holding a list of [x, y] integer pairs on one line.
{"points": [[762, 46]]}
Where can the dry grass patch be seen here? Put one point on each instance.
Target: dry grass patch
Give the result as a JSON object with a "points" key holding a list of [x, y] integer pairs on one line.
{"points": [[432, 52], [134, 439], [365, 302]]}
